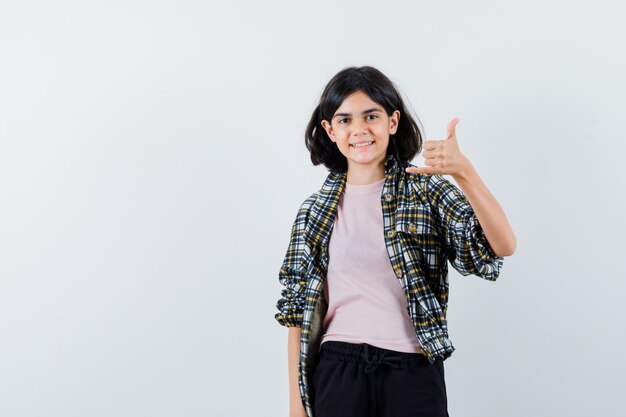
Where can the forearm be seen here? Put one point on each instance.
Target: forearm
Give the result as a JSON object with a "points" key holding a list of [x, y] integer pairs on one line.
{"points": [[488, 211], [293, 350]]}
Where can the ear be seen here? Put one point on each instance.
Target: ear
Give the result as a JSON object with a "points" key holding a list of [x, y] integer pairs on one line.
{"points": [[394, 120], [329, 130]]}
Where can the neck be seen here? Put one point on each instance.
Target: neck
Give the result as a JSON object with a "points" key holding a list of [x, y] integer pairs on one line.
{"points": [[363, 174]]}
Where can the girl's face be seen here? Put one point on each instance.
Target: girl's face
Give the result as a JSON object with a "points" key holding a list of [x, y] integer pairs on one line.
{"points": [[357, 121]]}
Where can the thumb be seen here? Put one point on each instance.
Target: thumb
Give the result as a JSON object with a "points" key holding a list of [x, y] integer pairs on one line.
{"points": [[452, 128]]}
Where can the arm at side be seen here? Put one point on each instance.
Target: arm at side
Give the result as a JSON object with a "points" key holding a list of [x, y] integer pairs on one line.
{"points": [[296, 408]]}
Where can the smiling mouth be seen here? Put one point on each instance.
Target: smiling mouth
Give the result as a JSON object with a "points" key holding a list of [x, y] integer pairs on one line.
{"points": [[361, 144]]}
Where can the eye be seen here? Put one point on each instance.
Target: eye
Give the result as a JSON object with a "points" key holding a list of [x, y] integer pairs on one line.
{"points": [[372, 115], [341, 120]]}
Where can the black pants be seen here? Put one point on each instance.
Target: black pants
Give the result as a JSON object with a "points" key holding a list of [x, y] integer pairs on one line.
{"points": [[361, 380]]}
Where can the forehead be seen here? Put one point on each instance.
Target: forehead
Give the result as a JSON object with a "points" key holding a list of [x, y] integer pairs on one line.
{"points": [[356, 102]]}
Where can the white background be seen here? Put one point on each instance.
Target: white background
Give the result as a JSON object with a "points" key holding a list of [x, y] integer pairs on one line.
{"points": [[152, 161]]}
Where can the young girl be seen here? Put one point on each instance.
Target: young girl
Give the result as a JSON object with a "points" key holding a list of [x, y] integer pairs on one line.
{"points": [[365, 275]]}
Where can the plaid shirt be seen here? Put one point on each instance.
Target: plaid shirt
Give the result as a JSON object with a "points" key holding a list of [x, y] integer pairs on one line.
{"points": [[427, 221]]}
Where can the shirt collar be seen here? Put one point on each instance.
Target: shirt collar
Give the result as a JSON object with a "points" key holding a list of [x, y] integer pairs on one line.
{"points": [[322, 212]]}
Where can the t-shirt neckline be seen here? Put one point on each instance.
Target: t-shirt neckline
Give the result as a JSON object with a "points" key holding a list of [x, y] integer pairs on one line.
{"points": [[370, 188]]}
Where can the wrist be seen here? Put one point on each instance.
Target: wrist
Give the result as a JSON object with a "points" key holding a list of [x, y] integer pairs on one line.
{"points": [[466, 171]]}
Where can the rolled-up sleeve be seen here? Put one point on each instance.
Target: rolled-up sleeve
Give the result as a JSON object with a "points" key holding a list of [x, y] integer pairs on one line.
{"points": [[467, 247], [292, 273]]}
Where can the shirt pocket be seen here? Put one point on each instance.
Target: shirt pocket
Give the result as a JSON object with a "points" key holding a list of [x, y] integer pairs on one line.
{"points": [[420, 235], [417, 222]]}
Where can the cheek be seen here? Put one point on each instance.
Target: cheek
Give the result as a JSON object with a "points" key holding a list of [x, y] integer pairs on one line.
{"points": [[382, 129]]}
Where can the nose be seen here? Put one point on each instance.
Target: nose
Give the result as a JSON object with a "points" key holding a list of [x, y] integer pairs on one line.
{"points": [[358, 128]]}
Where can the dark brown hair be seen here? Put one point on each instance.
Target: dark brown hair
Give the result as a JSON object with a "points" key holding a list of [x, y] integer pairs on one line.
{"points": [[404, 144]]}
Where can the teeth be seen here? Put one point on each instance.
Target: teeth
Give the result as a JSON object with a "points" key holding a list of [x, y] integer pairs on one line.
{"points": [[362, 144]]}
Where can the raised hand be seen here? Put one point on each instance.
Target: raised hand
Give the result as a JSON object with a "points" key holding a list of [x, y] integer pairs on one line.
{"points": [[443, 156]]}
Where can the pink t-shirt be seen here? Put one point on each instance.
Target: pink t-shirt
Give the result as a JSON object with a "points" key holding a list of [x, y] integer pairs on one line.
{"points": [[366, 302]]}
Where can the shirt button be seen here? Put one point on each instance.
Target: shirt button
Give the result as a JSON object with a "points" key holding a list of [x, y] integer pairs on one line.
{"points": [[388, 197], [412, 227], [391, 233], [398, 271]]}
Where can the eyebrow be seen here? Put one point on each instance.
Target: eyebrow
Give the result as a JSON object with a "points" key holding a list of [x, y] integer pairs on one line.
{"points": [[365, 112]]}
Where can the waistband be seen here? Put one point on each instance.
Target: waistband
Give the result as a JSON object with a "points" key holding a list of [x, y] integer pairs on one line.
{"points": [[372, 356]]}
